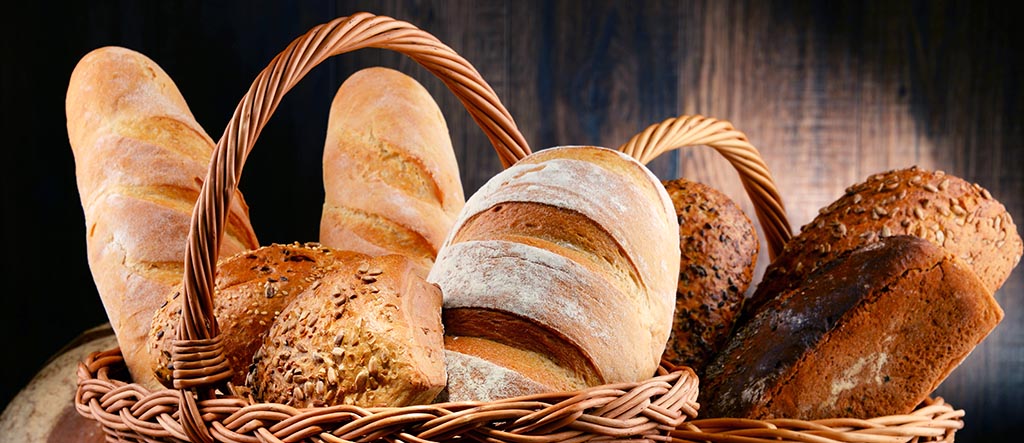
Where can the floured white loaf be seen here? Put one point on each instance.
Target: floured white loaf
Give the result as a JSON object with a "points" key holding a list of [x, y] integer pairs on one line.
{"points": [[391, 179], [572, 253]]}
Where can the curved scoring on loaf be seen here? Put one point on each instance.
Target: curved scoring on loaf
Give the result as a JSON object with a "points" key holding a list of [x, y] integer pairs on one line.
{"points": [[521, 280], [574, 236], [619, 201], [615, 162]]}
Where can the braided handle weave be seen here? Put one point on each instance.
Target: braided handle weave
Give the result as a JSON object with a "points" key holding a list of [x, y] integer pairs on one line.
{"points": [[690, 130], [198, 356]]}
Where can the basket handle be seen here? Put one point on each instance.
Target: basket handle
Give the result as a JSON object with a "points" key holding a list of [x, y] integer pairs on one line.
{"points": [[690, 130], [198, 357]]}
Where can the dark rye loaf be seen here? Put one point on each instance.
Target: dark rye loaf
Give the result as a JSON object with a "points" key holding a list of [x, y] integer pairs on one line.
{"points": [[870, 334]]}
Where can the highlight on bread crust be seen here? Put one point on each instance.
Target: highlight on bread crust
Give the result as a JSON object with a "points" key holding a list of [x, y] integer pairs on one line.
{"points": [[391, 179], [140, 160]]}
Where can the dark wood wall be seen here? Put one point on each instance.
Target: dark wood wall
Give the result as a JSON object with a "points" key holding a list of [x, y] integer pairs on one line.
{"points": [[829, 91]]}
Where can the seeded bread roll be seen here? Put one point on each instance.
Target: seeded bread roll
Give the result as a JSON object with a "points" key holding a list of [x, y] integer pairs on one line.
{"points": [[391, 180], [719, 251], [870, 334], [961, 217], [140, 160], [369, 335], [571, 254], [251, 289]]}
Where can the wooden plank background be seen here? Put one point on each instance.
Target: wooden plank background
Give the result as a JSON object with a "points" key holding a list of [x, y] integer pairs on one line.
{"points": [[829, 91]]}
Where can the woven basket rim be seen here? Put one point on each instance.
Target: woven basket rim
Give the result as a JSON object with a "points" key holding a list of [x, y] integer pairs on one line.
{"points": [[204, 408]]}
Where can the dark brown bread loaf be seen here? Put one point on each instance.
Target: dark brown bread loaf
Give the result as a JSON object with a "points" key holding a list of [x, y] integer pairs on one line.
{"points": [[369, 334], [870, 334], [719, 251], [252, 288], [948, 211]]}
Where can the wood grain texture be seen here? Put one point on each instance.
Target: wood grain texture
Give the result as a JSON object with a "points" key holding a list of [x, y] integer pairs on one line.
{"points": [[829, 91]]}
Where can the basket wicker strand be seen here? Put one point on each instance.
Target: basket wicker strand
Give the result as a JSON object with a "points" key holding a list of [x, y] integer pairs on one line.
{"points": [[204, 408], [933, 420]]}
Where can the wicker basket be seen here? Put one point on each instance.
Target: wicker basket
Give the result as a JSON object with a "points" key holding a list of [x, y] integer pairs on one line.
{"points": [[932, 421], [203, 407]]}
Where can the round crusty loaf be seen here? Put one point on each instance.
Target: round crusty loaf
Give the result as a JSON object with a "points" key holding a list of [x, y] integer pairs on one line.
{"points": [[369, 335], [948, 211], [251, 289], [570, 253], [391, 179], [719, 251], [140, 160]]}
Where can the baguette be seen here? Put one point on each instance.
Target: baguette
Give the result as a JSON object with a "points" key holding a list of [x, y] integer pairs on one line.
{"points": [[391, 180], [140, 159]]}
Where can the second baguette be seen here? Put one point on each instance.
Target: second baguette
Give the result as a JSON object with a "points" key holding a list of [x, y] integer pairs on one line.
{"points": [[391, 180]]}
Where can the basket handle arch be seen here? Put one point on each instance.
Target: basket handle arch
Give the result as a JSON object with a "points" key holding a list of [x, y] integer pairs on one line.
{"points": [[197, 355], [692, 130]]}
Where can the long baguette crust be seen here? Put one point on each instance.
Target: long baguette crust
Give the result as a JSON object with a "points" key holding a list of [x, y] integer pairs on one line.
{"points": [[391, 179], [140, 159]]}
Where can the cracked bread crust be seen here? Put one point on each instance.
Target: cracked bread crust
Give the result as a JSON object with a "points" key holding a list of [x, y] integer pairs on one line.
{"points": [[250, 291], [369, 334], [870, 334]]}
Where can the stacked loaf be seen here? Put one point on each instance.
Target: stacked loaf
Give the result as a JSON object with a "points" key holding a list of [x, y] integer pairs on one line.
{"points": [[958, 216], [872, 305], [367, 333], [562, 267], [140, 160], [871, 333], [251, 290], [390, 177]]}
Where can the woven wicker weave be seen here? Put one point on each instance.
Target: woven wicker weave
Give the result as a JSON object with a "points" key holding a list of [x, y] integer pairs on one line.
{"points": [[932, 421], [202, 407]]}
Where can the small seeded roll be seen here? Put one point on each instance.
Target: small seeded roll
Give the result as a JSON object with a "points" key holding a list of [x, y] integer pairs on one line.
{"points": [[368, 335], [719, 251], [251, 289], [948, 211]]}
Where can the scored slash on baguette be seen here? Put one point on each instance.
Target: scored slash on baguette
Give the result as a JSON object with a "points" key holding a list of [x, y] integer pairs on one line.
{"points": [[140, 159], [391, 179]]}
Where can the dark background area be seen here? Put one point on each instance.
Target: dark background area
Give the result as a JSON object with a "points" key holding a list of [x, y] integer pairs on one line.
{"points": [[829, 91]]}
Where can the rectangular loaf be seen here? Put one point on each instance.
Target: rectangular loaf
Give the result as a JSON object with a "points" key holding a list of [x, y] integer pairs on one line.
{"points": [[872, 333]]}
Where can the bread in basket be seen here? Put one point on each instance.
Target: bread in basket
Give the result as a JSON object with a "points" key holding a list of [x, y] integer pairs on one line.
{"points": [[202, 408]]}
